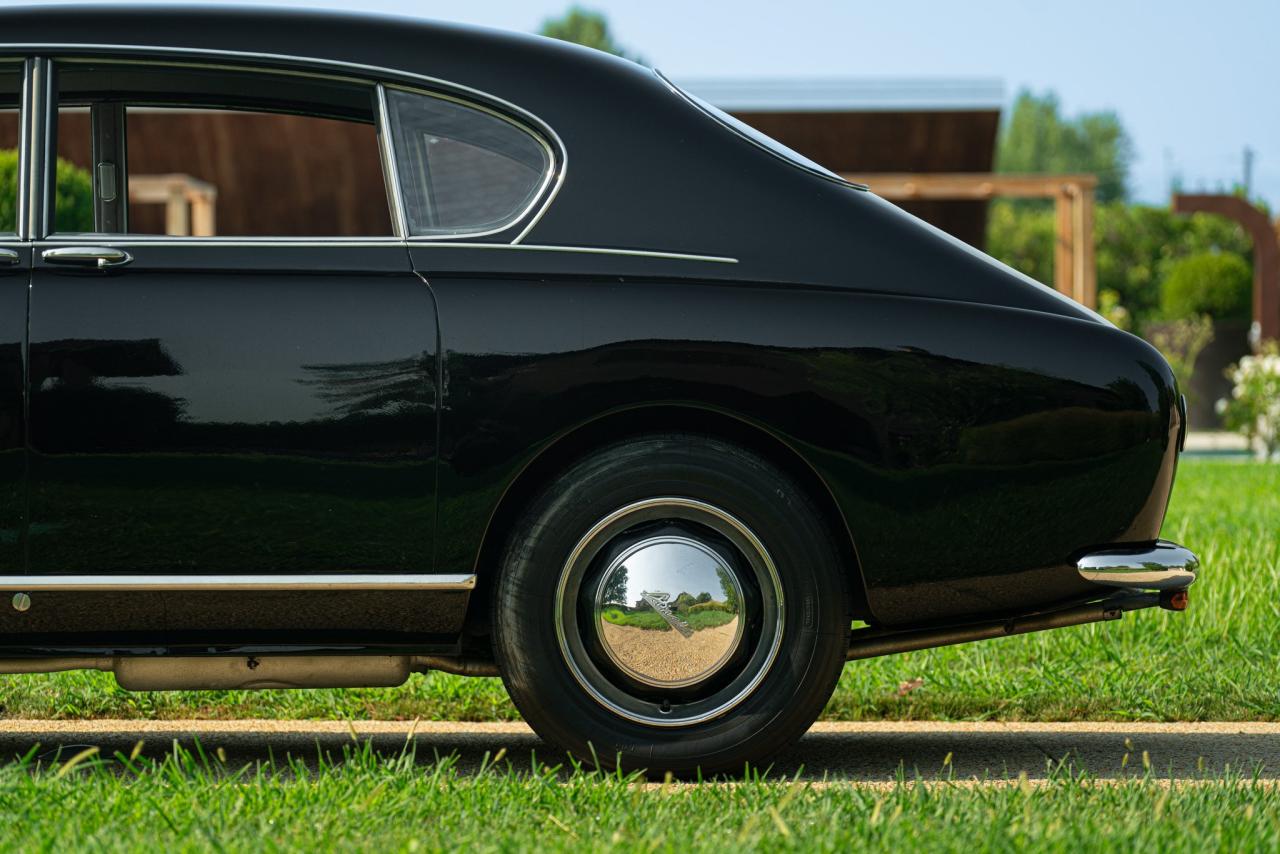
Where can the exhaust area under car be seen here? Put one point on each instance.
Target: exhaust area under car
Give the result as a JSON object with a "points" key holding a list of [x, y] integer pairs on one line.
{"points": [[873, 643]]}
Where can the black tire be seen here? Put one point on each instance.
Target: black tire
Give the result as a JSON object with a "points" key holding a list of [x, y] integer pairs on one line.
{"points": [[813, 628]]}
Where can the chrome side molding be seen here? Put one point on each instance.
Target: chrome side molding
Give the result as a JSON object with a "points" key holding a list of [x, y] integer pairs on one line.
{"points": [[1164, 566], [320, 581]]}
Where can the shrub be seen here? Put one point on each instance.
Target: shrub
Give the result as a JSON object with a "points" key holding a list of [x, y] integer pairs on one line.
{"points": [[1254, 406], [1217, 284], [73, 195], [1181, 342]]}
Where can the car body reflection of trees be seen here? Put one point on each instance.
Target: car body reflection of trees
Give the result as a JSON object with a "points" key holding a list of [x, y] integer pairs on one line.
{"points": [[361, 467]]}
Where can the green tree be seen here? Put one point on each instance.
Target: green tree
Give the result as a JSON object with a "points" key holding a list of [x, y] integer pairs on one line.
{"points": [[73, 200], [1038, 138], [1137, 247], [615, 592], [585, 27]]}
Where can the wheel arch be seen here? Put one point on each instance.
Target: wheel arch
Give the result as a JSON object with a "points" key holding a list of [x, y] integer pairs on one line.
{"points": [[646, 420]]}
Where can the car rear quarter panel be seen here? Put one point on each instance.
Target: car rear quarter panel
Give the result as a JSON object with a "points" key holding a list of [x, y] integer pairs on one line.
{"points": [[971, 450]]}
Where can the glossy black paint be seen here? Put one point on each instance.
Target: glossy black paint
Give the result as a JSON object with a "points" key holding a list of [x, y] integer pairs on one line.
{"points": [[14, 281], [238, 408], [971, 451], [263, 409]]}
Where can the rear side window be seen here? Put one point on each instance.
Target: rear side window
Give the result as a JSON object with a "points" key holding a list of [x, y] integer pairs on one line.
{"points": [[463, 169]]}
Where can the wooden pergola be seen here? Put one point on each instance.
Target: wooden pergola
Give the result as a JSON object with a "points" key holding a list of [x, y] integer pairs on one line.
{"points": [[1266, 253], [1074, 269]]}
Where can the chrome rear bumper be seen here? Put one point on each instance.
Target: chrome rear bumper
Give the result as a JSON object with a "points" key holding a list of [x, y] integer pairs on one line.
{"points": [[1164, 566]]}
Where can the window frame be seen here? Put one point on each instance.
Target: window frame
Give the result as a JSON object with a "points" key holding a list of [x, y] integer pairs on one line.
{"points": [[41, 98]]}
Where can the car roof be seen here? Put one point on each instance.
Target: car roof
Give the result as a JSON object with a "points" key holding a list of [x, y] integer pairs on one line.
{"points": [[438, 49]]}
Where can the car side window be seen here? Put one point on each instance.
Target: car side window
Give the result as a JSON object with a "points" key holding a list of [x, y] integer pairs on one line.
{"points": [[201, 152], [463, 169], [10, 86]]}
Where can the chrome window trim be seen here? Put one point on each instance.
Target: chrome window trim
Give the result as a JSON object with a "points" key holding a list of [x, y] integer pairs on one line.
{"points": [[368, 74], [310, 581], [338, 242], [390, 166]]}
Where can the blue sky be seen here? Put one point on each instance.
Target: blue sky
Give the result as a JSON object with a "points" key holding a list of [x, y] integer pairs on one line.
{"points": [[1194, 82]]}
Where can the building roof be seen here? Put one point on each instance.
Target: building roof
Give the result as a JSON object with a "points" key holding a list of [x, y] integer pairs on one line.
{"points": [[849, 94]]}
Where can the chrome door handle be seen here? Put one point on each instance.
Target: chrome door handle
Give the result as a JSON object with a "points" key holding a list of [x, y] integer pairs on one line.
{"points": [[87, 256], [9, 258]]}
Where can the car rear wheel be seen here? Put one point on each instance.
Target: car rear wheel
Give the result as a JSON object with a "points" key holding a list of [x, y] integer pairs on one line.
{"points": [[672, 603]]}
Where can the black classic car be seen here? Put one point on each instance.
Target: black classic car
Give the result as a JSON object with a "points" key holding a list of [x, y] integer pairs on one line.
{"points": [[506, 357]]}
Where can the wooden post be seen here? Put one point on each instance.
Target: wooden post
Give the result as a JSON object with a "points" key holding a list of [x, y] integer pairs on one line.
{"points": [[1266, 253], [202, 213], [1087, 243], [1064, 251], [177, 219]]}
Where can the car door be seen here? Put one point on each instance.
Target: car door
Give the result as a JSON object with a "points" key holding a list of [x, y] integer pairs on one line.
{"points": [[233, 368], [15, 275]]}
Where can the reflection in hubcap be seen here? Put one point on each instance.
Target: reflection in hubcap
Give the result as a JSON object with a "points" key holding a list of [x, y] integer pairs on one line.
{"points": [[669, 563], [668, 611]]}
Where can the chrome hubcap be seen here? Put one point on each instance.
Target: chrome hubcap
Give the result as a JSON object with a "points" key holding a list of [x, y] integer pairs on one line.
{"points": [[668, 611]]}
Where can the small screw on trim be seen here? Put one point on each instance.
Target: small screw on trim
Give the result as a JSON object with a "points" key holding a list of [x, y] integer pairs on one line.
{"points": [[21, 601]]}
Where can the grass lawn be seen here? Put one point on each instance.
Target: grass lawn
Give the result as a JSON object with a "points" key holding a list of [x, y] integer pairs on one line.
{"points": [[1217, 661], [365, 801]]}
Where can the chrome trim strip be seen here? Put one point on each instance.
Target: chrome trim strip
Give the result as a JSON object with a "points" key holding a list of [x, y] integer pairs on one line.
{"points": [[390, 168], [368, 74], [1164, 566], [311, 242], [335, 581], [206, 242], [588, 250]]}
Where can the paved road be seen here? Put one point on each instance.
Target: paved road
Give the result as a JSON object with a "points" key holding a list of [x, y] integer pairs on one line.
{"points": [[853, 751]]}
